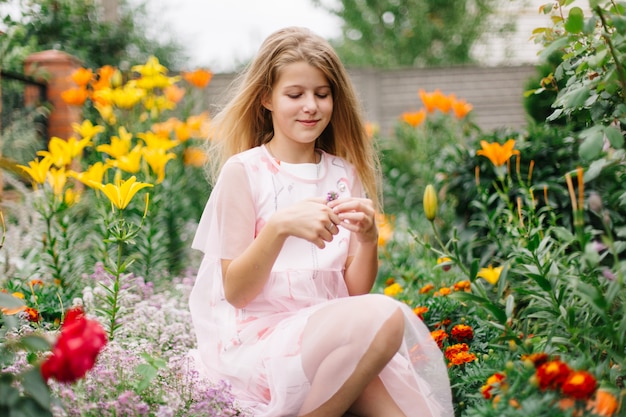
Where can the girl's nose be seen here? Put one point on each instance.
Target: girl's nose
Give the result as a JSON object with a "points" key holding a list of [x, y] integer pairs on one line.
{"points": [[310, 105]]}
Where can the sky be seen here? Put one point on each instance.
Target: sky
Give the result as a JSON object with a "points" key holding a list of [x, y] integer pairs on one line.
{"points": [[219, 34]]}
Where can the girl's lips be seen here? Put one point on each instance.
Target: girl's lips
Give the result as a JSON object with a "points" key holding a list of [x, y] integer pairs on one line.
{"points": [[308, 122]]}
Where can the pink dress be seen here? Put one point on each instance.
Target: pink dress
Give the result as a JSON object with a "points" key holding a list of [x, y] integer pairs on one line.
{"points": [[270, 349]]}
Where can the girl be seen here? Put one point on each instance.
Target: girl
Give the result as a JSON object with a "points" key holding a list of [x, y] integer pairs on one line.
{"points": [[281, 304]]}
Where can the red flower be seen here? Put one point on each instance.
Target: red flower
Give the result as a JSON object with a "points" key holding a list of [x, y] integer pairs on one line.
{"points": [[76, 349], [462, 333], [552, 374], [579, 384]]}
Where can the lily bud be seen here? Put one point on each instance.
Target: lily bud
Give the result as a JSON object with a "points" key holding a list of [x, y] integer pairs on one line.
{"points": [[430, 202]]}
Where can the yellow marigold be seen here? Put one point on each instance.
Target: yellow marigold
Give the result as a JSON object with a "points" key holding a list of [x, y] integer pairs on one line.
{"points": [[445, 263], [393, 289]]}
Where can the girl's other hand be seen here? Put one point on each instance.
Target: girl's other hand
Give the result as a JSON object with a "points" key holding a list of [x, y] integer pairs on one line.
{"points": [[310, 219], [357, 215]]}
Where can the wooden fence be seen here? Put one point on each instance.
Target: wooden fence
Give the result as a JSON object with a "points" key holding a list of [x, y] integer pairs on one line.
{"points": [[495, 92]]}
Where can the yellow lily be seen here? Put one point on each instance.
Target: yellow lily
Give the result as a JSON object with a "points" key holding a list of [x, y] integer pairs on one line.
{"points": [[127, 97], [57, 178], [94, 173], [150, 68], [38, 170], [131, 162], [157, 159], [490, 274], [87, 130], [157, 141], [496, 153], [122, 191], [119, 146]]}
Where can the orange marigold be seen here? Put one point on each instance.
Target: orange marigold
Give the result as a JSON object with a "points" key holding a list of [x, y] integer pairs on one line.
{"points": [[461, 358], [603, 404], [32, 315], [439, 336], [420, 311], [493, 381], [444, 291], [455, 349], [426, 288], [552, 374], [579, 385], [537, 359], [462, 333], [462, 286]]}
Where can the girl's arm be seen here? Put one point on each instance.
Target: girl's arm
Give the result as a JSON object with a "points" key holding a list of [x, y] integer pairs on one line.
{"points": [[359, 216], [247, 260]]}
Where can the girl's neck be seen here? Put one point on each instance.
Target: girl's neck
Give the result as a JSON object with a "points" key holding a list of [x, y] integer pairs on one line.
{"points": [[303, 155]]}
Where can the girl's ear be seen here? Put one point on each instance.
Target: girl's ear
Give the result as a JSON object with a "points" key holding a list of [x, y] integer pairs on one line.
{"points": [[266, 101]]}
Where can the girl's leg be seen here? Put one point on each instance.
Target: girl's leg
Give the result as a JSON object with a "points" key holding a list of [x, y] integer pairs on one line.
{"points": [[362, 390]]}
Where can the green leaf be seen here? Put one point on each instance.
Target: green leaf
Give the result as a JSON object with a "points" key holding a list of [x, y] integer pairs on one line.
{"points": [[510, 306], [615, 136], [9, 395], [575, 98], [35, 343], [575, 20], [9, 301], [34, 385], [591, 147]]}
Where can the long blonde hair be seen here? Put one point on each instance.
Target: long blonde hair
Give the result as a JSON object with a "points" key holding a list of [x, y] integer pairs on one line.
{"points": [[245, 123]]}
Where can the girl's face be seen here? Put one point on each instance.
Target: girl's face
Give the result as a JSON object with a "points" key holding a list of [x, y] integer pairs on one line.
{"points": [[301, 104]]}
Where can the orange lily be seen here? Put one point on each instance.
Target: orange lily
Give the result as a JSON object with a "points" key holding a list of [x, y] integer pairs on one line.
{"points": [[496, 153]]}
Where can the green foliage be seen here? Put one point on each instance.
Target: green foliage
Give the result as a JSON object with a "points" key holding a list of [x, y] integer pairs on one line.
{"points": [[388, 34], [80, 29], [592, 73]]}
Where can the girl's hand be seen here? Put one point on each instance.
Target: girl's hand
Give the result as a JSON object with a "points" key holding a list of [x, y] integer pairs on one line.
{"points": [[310, 219], [357, 215]]}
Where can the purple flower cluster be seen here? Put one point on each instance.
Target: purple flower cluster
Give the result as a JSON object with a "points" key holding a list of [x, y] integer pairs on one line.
{"points": [[146, 369]]}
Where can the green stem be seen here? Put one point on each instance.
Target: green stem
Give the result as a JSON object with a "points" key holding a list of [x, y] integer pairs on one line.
{"points": [[116, 289], [621, 73]]}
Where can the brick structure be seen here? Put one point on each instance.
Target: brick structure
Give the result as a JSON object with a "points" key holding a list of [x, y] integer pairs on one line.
{"points": [[55, 68]]}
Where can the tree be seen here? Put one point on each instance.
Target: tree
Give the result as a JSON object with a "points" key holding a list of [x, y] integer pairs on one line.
{"points": [[83, 28], [418, 33]]}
